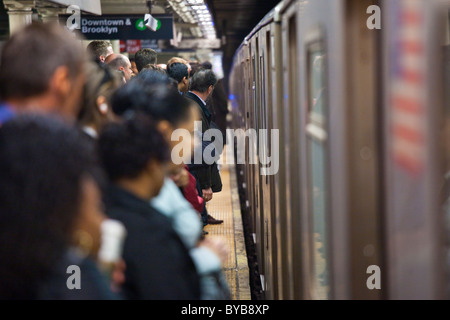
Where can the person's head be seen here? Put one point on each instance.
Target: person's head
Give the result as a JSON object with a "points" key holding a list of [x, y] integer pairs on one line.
{"points": [[194, 67], [144, 57], [203, 83], [154, 67], [122, 63], [180, 60], [166, 106], [177, 60], [41, 69], [180, 73], [101, 82], [49, 200], [134, 151], [121, 75], [100, 50], [153, 77], [112, 57], [133, 65], [207, 65]]}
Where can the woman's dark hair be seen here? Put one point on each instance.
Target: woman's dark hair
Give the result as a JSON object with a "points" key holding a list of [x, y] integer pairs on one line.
{"points": [[126, 148], [152, 77], [178, 71], [207, 65], [158, 101], [42, 164], [195, 67], [154, 67]]}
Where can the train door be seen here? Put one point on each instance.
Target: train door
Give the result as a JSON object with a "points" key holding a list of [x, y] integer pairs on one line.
{"points": [[264, 144], [323, 149], [446, 143], [242, 100], [248, 148], [250, 145], [279, 179], [364, 151], [316, 161], [256, 126], [239, 101], [340, 158], [274, 151], [414, 106], [291, 148]]}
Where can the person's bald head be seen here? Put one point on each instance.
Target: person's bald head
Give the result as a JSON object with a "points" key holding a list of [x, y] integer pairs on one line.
{"points": [[122, 63], [111, 57]]}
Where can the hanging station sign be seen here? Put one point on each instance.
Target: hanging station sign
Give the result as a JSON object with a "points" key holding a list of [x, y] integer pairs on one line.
{"points": [[124, 27]]}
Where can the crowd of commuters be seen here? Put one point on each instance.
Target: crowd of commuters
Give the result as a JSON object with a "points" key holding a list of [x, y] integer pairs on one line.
{"points": [[86, 137]]}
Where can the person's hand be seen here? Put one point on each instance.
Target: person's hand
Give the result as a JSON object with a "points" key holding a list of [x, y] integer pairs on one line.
{"points": [[181, 179], [118, 275], [218, 246], [207, 194]]}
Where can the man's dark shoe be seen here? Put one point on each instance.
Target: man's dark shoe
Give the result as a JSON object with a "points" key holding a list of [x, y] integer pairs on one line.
{"points": [[212, 220]]}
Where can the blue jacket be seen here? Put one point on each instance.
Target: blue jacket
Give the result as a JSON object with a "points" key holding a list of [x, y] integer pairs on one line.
{"points": [[188, 226]]}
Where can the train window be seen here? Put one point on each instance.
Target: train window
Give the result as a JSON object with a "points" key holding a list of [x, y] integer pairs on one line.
{"points": [[269, 94], [316, 86], [317, 161], [263, 110]]}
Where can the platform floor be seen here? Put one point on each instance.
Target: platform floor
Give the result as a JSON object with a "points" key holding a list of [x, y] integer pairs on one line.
{"points": [[225, 206]]}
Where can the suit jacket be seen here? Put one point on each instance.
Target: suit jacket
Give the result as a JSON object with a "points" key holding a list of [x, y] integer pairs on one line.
{"points": [[218, 106], [158, 265], [207, 175]]}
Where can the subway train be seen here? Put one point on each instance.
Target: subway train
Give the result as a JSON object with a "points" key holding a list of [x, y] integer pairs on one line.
{"points": [[356, 93]]}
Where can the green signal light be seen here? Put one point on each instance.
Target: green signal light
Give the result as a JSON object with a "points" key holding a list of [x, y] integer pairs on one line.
{"points": [[159, 25]]}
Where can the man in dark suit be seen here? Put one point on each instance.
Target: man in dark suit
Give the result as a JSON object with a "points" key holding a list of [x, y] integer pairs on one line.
{"points": [[207, 175], [218, 103]]}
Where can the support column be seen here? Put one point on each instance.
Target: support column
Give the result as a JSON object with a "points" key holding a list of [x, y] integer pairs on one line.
{"points": [[115, 45], [49, 14], [19, 12]]}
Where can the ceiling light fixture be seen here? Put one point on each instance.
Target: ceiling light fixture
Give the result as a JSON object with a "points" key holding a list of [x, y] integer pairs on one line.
{"points": [[195, 12]]}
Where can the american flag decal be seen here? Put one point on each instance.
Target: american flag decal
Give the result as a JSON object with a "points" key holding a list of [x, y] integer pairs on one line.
{"points": [[407, 93]]}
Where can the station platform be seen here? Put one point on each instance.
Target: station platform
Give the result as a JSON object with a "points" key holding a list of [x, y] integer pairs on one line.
{"points": [[225, 206]]}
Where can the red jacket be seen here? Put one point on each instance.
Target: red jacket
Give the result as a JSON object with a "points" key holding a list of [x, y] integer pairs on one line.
{"points": [[191, 194]]}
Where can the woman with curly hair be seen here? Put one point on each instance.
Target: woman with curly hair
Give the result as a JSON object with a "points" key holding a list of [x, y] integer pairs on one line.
{"points": [[50, 214]]}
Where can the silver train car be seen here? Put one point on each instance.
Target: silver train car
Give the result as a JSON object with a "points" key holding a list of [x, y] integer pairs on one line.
{"points": [[358, 92]]}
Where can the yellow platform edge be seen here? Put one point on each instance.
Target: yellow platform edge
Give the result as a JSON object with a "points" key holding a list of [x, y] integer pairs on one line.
{"points": [[225, 205]]}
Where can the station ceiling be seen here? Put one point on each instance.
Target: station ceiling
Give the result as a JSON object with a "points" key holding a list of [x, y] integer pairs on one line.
{"points": [[234, 19]]}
